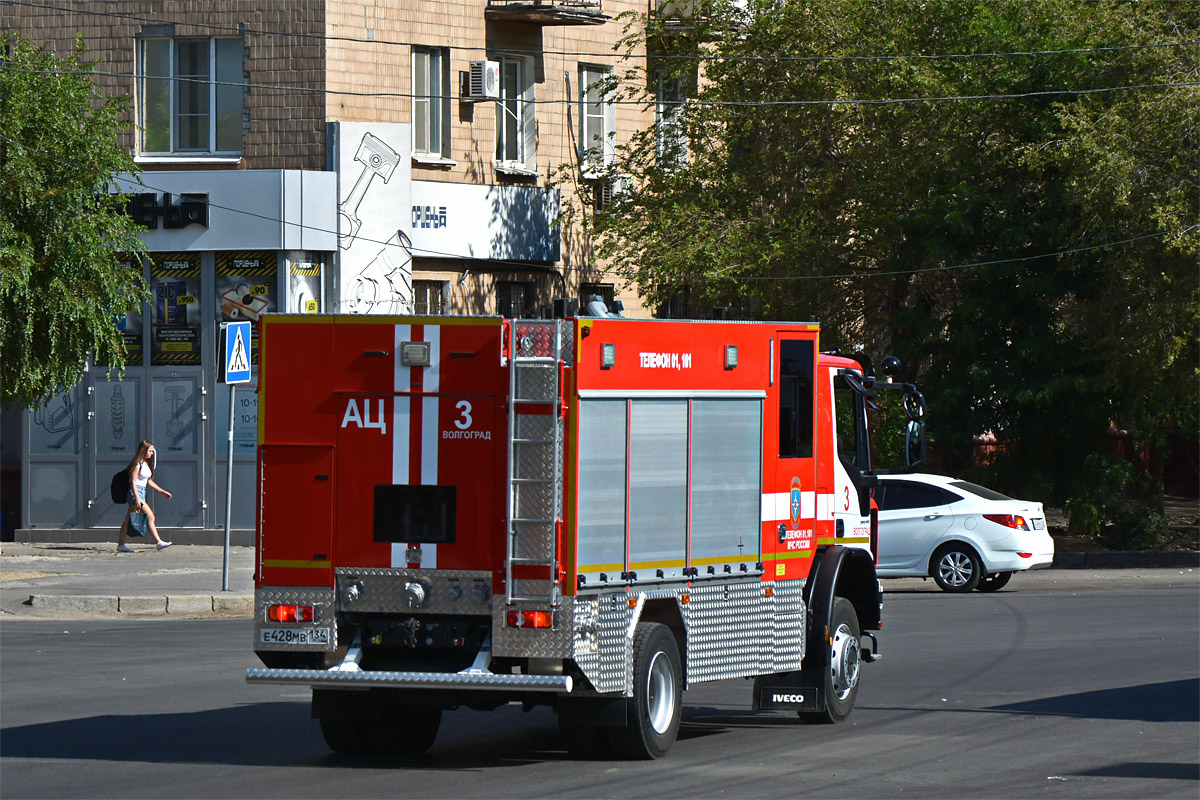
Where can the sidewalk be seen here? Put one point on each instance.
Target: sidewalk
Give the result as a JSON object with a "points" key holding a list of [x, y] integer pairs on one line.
{"points": [[71, 580], [82, 579]]}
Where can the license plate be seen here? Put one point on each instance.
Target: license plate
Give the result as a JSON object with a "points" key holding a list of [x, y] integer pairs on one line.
{"points": [[1039, 524], [294, 636]]}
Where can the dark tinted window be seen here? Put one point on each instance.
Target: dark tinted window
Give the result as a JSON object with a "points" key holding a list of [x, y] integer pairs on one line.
{"points": [[795, 398], [894, 495], [417, 514], [982, 491]]}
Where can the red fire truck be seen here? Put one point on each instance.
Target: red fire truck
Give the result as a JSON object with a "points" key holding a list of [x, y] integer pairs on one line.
{"points": [[591, 514]]}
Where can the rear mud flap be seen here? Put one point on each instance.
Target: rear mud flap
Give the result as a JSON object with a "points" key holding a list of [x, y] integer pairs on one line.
{"points": [[785, 691]]}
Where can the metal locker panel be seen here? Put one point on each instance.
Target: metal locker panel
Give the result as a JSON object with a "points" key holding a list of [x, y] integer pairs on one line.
{"points": [[601, 481], [726, 482], [658, 488]]}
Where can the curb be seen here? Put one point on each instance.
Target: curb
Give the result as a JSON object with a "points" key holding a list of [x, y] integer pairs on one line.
{"points": [[1118, 559], [160, 605]]}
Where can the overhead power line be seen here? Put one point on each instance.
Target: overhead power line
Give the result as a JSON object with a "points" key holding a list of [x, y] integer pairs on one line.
{"points": [[243, 29], [640, 103]]}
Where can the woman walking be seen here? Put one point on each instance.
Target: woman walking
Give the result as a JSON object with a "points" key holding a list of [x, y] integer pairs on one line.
{"points": [[140, 515]]}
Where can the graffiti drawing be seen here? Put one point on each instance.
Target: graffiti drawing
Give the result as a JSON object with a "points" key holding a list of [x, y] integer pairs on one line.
{"points": [[377, 158]]}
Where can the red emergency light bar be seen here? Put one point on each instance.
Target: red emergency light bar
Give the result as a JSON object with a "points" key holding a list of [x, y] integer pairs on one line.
{"points": [[531, 619], [284, 613]]}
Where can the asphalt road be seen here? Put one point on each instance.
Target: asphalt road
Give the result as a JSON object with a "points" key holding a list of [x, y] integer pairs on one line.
{"points": [[1069, 684]]}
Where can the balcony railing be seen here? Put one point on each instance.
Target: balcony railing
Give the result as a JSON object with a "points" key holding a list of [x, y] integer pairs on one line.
{"points": [[547, 12]]}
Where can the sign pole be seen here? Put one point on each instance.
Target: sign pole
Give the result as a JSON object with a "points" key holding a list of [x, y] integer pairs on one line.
{"points": [[235, 369], [228, 493]]}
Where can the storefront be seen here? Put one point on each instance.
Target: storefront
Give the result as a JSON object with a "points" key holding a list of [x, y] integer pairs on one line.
{"points": [[224, 246]]}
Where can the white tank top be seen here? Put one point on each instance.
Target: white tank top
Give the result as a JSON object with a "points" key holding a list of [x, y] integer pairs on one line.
{"points": [[143, 475]]}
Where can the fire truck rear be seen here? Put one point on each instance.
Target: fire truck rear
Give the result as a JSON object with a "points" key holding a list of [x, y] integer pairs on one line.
{"points": [[590, 514]]}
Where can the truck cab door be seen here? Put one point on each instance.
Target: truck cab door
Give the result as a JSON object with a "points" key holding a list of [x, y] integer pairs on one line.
{"points": [[792, 540]]}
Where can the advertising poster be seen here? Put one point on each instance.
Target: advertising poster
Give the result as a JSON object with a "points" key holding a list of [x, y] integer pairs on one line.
{"points": [[375, 253], [305, 279], [129, 323], [246, 290], [175, 286]]}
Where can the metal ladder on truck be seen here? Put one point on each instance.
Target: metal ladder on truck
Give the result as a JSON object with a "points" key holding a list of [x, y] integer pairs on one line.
{"points": [[534, 464]]}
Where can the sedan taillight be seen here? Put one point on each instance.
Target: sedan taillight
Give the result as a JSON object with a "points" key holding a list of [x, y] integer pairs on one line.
{"points": [[1014, 521]]}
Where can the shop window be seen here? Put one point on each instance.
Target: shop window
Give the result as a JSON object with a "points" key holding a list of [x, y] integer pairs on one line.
{"points": [[429, 297], [431, 103], [516, 122], [190, 96]]}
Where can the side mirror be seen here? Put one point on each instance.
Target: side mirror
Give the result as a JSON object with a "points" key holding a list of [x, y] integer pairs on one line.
{"points": [[913, 403], [914, 443]]}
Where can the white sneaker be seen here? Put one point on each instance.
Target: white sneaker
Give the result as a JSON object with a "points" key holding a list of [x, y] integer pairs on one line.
{"points": [[124, 549], [163, 545]]}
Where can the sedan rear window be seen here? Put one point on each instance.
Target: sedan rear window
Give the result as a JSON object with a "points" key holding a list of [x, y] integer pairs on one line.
{"points": [[982, 491]]}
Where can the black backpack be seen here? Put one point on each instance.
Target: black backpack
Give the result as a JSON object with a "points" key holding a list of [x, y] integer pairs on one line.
{"points": [[120, 487]]}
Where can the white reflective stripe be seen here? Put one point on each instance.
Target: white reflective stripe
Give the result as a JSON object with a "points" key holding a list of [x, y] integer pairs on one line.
{"points": [[431, 381], [403, 375], [398, 549], [429, 441], [777, 506], [431, 378], [825, 507]]}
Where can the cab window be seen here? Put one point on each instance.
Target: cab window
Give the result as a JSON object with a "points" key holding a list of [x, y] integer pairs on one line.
{"points": [[796, 398]]}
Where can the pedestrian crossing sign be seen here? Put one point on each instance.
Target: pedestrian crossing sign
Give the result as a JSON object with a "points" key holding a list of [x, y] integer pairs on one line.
{"points": [[236, 352]]}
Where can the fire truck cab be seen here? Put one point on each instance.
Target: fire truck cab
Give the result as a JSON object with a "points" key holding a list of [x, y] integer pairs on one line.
{"points": [[591, 514]]}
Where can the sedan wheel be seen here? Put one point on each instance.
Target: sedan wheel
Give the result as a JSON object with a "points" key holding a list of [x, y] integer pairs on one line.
{"points": [[994, 582], [956, 568]]}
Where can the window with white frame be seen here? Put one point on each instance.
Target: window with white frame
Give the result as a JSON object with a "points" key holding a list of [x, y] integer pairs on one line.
{"points": [[190, 96], [431, 102], [597, 120], [670, 132], [516, 122]]}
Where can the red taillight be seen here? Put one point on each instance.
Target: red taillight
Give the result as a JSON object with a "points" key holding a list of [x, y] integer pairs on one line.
{"points": [[1025, 555], [530, 619], [284, 613], [1014, 521]]}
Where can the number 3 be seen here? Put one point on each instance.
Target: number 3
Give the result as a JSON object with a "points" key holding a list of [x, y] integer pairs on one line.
{"points": [[464, 423], [847, 506]]}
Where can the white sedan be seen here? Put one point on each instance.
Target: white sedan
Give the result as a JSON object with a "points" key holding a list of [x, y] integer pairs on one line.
{"points": [[962, 535]]}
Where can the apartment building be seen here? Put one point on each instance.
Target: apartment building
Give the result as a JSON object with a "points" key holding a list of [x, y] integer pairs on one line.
{"points": [[318, 156]]}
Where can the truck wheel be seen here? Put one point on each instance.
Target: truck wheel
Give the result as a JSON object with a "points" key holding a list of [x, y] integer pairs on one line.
{"points": [[845, 661], [585, 742], [956, 568], [657, 703], [347, 736], [408, 731], [994, 582]]}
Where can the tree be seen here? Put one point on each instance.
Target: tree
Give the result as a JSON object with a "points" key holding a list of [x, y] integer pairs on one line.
{"points": [[1027, 244], [63, 232]]}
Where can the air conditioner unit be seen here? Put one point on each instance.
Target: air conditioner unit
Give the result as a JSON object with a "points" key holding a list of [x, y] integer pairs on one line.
{"points": [[610, 190], [483, 83]]}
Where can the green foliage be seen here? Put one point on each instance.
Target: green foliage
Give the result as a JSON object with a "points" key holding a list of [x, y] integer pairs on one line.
{"points": [[929, 229], [62, 229]]}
